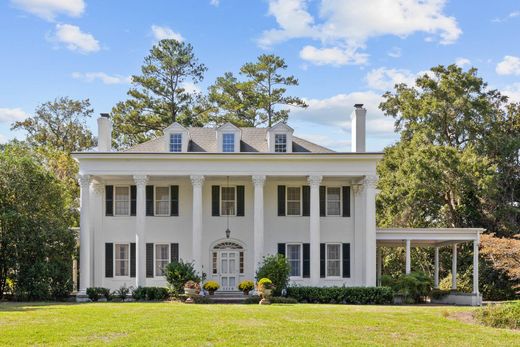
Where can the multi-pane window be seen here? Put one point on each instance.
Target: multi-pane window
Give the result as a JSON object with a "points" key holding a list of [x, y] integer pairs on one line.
{"points": [[280, 143], [333, 201], [333, 260], [162, 201], [122, 260], [228, 201], [122, 201], [293, 201], [162, 258], [228, 142], [294, 257], [175, 142]]}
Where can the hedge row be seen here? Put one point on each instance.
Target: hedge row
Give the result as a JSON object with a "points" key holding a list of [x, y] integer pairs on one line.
{"points": [[342, 295]]}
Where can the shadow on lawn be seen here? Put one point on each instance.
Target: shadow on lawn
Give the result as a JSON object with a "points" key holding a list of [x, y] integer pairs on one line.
{"points": [[28, 306]]}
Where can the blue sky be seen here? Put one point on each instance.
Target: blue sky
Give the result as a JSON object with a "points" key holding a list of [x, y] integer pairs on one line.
{"points": [[342, 51]]}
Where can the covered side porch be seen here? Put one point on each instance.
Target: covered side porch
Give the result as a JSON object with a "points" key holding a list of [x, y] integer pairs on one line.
{"points": [[434, 238]]}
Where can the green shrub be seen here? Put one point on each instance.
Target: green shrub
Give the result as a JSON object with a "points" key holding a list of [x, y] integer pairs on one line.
{"points": [[202, 300], [342, 295], [283, 300], [178, 273], [246, 286], [122, 292], [139, 294], [439, 293], [506, 315], [94, 293], [464, 283], [265, 283], [251, 300], [277, 269], [150, 293], [414, 287]]}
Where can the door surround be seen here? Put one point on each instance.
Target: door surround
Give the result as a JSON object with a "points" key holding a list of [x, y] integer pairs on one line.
{"points": [[227, 262]]}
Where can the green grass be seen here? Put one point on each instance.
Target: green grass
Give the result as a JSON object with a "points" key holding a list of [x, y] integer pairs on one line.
{"points": [[230, 325]]}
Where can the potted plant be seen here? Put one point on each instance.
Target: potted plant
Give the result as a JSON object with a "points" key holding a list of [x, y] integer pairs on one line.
{"points": [[211, 287], [246, 286], [265, 287], [191, 289]]}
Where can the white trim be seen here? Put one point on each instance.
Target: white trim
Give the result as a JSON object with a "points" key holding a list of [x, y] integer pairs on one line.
{"points": [[168, 258], [129, 201], [155, 214], [115, 259], [340, 260], [301, 258], [221, 198], [287, 201]]}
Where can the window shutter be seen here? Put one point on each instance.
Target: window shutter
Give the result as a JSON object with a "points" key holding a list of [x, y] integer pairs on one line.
{"points": [[132, 260], [240, 201], [306, 203], [174, 200], [109, 260], [322, 260], [149, 201], [281, 200], [346, 201], [215, 201], [109, 200], [133, 200], [323, 201], [149, 260], [174, 252], [306, 260], [281, 249], [346, 260]]}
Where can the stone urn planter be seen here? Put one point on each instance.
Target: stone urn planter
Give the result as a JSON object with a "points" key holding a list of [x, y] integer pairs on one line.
{"points": [[265, 288], [191, 289]]}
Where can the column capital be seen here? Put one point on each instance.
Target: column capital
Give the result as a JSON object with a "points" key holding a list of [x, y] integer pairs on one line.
{"points": [[98, 187], [258, 180], [371, 181], [140, 180], [84, 181], [314, 180], [197, 180], [357, 189]]}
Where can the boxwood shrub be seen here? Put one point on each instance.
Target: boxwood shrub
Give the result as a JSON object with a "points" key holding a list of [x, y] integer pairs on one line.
{"points": [[342, 295], [150, 293], [95, 293]]}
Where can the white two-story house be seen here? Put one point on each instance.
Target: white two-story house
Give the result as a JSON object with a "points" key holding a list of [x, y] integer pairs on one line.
{"points": [[225, 197]]}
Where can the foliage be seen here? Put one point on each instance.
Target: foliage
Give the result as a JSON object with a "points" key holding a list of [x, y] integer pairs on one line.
{"points": [[506, 315], [191, 285], [246, 286], [504, 254], [211, 286], [150, 293], [464, 282], [414, 287], [139, 293], [122, 292], [277, 269], [254, 299], [95, 293], [282, 300], [265, 283], [342, 295], [178, 273]]}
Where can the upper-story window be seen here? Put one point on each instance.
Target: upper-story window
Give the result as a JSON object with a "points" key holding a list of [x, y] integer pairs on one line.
{"points": [[280, 143], [228, 142], [122, 201], [228, 202], [333, 201], [294, 199], [162, 201], [175, 142]]}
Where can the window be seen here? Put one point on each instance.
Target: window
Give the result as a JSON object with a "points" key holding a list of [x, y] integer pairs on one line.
{"points": [[162, 258], [162, 201], [333, 201], [175, 142], [228, 202], [294, 257], [122, 260], [228, 143], [333, 260], [293, 201], [122, 201], [280, 143]]}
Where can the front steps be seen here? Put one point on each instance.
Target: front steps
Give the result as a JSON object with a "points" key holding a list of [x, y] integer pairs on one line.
{"points": [[231, 297]]}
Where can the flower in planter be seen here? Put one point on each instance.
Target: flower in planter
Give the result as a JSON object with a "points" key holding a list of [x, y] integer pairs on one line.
{"points": [[265, 283], [246, 286], [192, 285], [211, 287]]}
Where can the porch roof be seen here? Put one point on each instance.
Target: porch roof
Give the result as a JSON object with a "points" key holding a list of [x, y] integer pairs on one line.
{"points": [[426, 237]]}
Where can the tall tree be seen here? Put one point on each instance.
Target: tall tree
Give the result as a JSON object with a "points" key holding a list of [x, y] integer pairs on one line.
{"points": [[160, 95]]}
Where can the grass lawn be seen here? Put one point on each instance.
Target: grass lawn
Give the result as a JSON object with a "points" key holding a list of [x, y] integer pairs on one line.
{"points": [[196, 325]]}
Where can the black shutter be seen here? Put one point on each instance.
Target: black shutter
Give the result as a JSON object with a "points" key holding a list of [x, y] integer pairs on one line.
{"points": [[174, 200], [346, 201], [306, 260], [215, 200], [109, 200], [323, 201], [240, 201], [322, 260], [346, 260], [132, 260], [149, 260], [281, 249], [149, 201], [133, 200], [306, 203], [174, 252], [109, 260], [281, 200]]}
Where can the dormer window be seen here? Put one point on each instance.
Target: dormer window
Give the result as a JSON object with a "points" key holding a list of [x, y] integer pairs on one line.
{"points": [[228, 142], [280, 143], [280, 138], [176, 142], [176, 138]]}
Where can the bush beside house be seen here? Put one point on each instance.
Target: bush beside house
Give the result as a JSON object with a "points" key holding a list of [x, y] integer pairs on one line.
{"points": [[506, 315], [277, 269], [342, 295]]}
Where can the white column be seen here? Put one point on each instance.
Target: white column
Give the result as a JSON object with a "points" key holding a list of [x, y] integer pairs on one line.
{"points": [[197, 181], [96, 213], [358, 247], [140, 227], [379, 265], [84, 234], [436, 270], [454, 268], [408, 258], [370, 230], [314, 224], [258, 220], [475, 267]]}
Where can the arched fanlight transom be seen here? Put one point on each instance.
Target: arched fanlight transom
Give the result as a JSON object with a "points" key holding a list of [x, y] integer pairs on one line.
{"points": [[228, 245]]}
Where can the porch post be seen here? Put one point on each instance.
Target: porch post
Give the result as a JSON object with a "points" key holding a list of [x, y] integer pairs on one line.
{"points": [[379, 265], [84, 234], [314, 223], [140, 226], [475, 267], [408, 258], [97, 232], [454, 267], [358, 249], [258, 181], [197, 181], [370, 230], [436, 271]]}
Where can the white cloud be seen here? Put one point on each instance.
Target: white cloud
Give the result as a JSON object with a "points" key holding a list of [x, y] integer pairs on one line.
{"points": [[332, 56], [49, 9], [164, 32], [191, 87], [395, 52], [510, 65], [214, 2], [506, 18], [462, 62], [103, 77], [74, 39], [512, 91], [385, 79], [11, 115], [3, 139]]}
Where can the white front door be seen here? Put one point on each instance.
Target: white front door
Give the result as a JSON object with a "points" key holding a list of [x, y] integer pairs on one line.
{"points": [[229, 270]]}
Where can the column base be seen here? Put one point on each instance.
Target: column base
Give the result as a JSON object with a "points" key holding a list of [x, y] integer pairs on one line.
{"points": [[81, 296]]}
